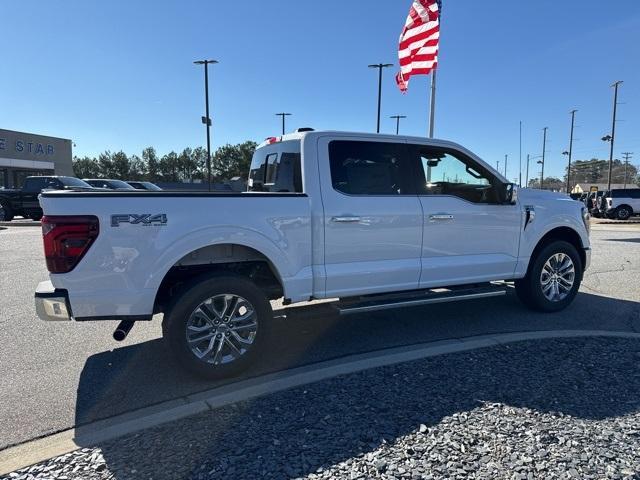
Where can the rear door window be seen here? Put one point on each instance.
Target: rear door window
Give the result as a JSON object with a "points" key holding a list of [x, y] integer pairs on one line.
{"points": [[370, 168]]}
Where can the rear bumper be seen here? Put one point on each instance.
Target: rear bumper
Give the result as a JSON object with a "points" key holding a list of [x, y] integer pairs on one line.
{"points": [[52, 305]]}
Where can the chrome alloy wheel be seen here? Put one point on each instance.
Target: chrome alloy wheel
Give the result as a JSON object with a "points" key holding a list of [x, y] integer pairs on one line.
{"points": [[557, 277], [222, 329]]}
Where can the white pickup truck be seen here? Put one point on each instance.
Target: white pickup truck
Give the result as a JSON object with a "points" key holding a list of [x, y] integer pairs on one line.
{"points": [[377, 221]]}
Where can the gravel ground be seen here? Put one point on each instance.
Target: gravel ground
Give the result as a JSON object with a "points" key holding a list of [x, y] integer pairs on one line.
{"points": [[543, 409]]}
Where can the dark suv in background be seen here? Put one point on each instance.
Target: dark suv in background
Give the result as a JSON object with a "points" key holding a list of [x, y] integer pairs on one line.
{"points": [[24, 202]]}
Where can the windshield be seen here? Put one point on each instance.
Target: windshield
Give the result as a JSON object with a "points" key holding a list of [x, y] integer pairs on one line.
{"points": [[151, 186], [120, 184], [73, 182]]}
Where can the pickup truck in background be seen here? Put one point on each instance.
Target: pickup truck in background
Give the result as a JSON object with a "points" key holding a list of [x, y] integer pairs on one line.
{"points": [[24, 202], [377, 221]]}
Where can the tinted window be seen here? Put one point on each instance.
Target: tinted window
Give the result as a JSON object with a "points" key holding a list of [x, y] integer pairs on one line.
{"points": [[120, 184], [73, 182], [629, 193], [276, 168], [369, 168], [445, 172], [37, 184]]}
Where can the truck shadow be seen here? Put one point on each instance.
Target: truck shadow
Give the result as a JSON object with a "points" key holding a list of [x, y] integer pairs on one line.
{"points": [[140, 375]]}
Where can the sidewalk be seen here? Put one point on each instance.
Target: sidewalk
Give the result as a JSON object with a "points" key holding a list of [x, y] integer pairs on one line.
{"points": [[564, 408]]}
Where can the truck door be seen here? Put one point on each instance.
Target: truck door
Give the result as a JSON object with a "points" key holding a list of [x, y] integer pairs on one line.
{"points": [[469, 234], [372, 216], [30, 191]]}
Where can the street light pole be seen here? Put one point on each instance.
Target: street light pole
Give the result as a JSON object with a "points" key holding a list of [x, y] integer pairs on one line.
{"points": [[506, 158], [570, 153], [544, 147], [380, 66], [613, 130], [397, 118], [526, 182], [283, 115], [207, 119]]}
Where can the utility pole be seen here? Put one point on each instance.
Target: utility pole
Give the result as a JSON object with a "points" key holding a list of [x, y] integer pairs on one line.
{"points": [[573, 120], [283, 115], [207, 119], [627, 156], [397, 118], [380, 66], [498, 166], [506, 159], [520, 158], [526, 182], [613, 129], [544, 148]]}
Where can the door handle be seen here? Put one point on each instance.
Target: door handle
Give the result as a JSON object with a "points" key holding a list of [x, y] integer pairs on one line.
{"points": [[440, 216], [345, 219]]}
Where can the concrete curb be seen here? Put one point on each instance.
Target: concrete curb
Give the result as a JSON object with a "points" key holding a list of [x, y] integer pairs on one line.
{"points": [[20, 224], [35, 451]]}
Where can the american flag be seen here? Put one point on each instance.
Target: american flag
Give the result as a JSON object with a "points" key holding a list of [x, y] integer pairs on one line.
{"points": [[418, 49]]}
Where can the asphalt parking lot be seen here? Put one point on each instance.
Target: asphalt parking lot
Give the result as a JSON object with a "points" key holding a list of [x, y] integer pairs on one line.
{"points": [[55, 376]]}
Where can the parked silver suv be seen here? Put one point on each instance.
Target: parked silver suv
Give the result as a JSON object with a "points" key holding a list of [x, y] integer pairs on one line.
{"points": [[622, 203]]}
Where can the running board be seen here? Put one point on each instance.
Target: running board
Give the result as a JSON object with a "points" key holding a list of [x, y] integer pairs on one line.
{"points": [[423, 297]]}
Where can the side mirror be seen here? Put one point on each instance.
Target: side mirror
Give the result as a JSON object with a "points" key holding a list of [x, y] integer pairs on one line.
{"points": [[510, 193]]}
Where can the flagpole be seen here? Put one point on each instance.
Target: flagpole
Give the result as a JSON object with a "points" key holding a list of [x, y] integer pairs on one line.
{"points": [[432, 108]]}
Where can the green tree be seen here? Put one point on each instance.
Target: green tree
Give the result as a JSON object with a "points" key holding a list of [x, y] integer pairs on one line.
{"points": [[200, 161], [85, 167], [137, 170], [120, 165], [550, 183], [151, 163], [233, 160], [105, 165], [170, 167]]}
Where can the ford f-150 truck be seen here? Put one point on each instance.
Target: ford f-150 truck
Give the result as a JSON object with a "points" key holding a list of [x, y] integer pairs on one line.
{"points": [[376, 221]]}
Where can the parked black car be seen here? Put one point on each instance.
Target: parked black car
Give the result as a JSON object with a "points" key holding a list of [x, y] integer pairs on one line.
{"points": [[24, 202], [152, 187], [108, 184]]}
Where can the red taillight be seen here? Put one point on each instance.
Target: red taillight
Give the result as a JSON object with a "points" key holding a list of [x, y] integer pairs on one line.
{"points": [[67, 239]]}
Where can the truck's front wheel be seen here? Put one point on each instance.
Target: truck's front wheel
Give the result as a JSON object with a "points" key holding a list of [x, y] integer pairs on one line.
{"points": [[217, 325], [553, 279]]}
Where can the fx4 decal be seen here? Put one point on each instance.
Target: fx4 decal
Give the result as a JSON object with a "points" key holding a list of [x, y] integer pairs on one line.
{"points": [[145, 219]]}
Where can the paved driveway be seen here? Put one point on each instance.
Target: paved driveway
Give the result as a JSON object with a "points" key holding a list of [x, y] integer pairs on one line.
{"points": [[55, 376]]}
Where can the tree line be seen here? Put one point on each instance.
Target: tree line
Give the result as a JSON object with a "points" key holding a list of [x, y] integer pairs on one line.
{"points": [[189, 165], [587, 172]]}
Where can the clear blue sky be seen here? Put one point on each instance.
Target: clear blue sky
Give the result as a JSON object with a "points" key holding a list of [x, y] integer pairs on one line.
{"points": [[119, 75]]}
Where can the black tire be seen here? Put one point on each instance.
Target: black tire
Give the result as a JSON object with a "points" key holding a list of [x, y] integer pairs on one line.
{"points": [[623, 212], [36, 217], [530, 290], [184, 305], [8, 212]]}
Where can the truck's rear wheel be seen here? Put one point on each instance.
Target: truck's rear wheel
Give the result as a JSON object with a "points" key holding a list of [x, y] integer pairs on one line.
{"points": [[553, 279], [217, 325]]}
